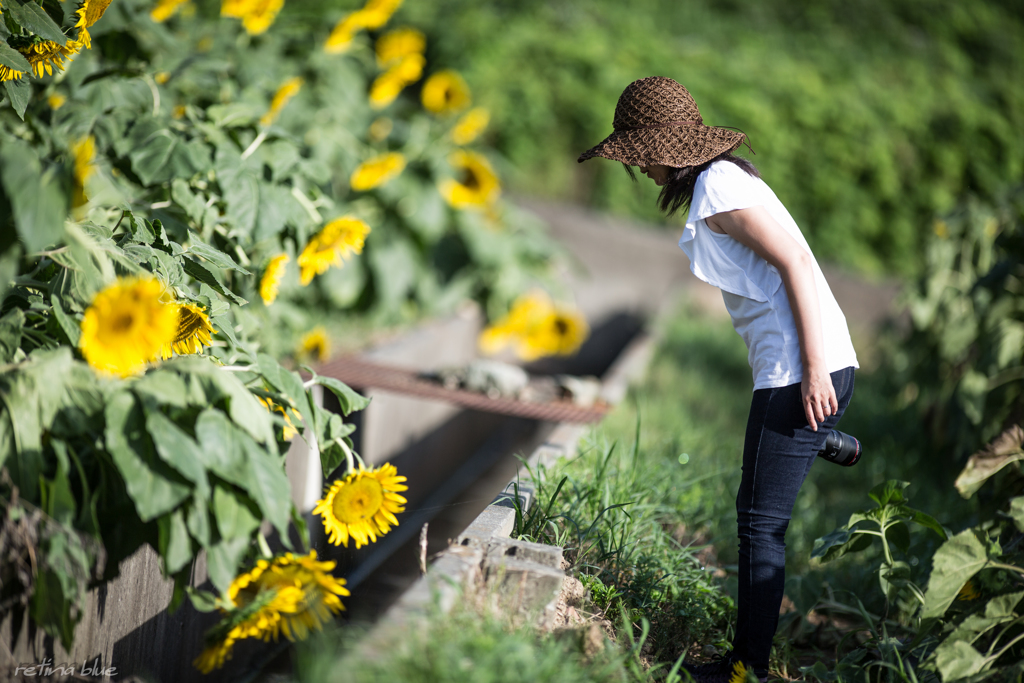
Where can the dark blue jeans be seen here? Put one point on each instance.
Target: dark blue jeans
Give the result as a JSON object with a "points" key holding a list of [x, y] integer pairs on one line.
{"points": [[779, 450]]}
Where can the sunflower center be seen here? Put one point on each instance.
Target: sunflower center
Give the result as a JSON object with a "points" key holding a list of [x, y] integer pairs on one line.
{"points": [[358, 501], [561, 327], [122, 323], [471, 180]]}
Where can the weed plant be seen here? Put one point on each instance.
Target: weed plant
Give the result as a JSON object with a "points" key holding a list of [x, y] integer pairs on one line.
{"points": [[465, 646]]}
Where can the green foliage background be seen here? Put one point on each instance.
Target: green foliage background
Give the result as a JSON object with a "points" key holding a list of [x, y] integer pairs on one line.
{"points": [[868, 117]]}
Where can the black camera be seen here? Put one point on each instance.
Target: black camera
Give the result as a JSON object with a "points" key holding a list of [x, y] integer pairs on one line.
{"points": [[840, 448]]}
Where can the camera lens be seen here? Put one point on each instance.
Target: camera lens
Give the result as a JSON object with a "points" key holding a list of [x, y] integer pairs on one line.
{"points": [[840, 448]]}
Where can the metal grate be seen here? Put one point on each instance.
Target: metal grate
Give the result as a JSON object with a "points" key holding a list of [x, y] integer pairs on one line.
{"points": [[361, 374]]}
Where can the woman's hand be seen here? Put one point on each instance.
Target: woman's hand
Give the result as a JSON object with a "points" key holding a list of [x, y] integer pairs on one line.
{"points": [[818, 396]]}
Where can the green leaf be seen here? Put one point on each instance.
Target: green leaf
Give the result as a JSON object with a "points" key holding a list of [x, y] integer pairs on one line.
{"points": [[1005, 449], [70, 327], [893, 578], [237, 515], [928, 522], [215, 256], [178, 450], [899, 535], [1017, 512], [268, 485], [161, 388], [37, 197], [20, 93], [174, 545], [889, 492], [954, 563], [182, 195], [840, 542], [198, 521], [51, 608], [958, 660], [349, 399], [1003, 606], [199, 272], [10, 334], [12, 58], [220, 441], [152, 156], [58, 500], [151, 484], [34, 18], [202, 601], [241, 193], [222, 560]]}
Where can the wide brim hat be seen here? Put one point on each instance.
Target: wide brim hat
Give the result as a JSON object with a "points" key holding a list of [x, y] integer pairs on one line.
{"points": [[657, 122]]}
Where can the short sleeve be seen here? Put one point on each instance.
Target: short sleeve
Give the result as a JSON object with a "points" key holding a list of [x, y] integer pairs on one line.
{"points": [[722, 187]]}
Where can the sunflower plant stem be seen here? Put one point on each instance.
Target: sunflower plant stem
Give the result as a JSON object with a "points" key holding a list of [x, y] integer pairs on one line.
{"points": [[264, 546], [350, 465], [255, 144]]}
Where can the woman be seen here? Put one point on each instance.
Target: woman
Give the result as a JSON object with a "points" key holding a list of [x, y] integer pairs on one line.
{"points": [[740, 238]]}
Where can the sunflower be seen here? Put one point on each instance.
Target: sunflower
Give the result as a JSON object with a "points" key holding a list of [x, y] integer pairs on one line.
{"points": [[286, 92], [739, 673], [193, 331], [535, 327], [470, 125], [256, 15], [559, 334], [218, 652], [376, 13], [165, 9], [394, 45], [445, 92], [377, 171], [362, 506], [89, 13], [56, 101], [84, 153], [45, 55], [127, 325], [527, 312], [329, 247], [315, 344], [479, 186], [343, 32], [289, 429], [9, 74], [271, 280], [968, 592], [389, 84], [291, 594]]}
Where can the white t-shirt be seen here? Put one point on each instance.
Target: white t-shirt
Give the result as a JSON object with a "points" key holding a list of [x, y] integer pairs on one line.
{"points": [[751, 287]]}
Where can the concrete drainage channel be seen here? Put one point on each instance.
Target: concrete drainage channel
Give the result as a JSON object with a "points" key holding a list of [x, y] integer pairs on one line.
{"points": [[526, 577]]}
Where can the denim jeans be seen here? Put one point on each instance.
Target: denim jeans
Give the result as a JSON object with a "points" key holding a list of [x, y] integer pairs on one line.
{"points": [[778, 452]]}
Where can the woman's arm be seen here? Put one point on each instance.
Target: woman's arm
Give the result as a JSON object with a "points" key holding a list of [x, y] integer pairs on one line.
{"points": [[755, 228]]}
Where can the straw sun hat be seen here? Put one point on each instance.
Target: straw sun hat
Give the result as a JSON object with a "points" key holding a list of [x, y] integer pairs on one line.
{"points": [[657, 122]]}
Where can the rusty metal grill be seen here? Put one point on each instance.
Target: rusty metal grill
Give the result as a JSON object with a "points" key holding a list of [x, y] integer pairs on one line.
{"points": [[361, 374]]}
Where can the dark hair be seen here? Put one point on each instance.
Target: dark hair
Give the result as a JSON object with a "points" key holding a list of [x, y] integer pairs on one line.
{"points": [[678, 190]]}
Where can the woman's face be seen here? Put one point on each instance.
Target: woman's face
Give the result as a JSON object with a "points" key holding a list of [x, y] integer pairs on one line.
{"points": [[657, 172]]}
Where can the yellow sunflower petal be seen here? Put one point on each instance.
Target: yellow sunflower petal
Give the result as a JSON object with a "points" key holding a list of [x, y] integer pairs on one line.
{"points": [[272, 276], [339, 239], [377, 171]]}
